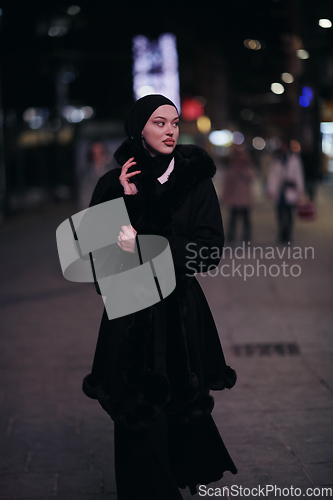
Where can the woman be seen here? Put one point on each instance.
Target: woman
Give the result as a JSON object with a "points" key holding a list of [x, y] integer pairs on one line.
{"points": [[97, 163], [285, 187], [237, 193], [153, 370]]}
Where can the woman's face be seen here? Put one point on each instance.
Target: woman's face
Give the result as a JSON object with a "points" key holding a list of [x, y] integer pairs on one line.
{"points": [[160, 134]]}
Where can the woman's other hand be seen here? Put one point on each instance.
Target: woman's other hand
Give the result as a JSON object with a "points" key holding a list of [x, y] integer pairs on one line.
{"points": [[129, 187], [127, 239]]}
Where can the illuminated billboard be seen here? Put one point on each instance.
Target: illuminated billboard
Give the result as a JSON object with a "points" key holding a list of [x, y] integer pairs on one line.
{"points": [[155, 67]]}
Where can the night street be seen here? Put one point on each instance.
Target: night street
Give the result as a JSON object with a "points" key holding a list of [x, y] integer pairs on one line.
{"points": [[276, 422]]}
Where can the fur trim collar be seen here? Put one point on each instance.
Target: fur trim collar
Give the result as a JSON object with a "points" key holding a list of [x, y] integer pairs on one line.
{"points": [[193, 159], [192, 165]]}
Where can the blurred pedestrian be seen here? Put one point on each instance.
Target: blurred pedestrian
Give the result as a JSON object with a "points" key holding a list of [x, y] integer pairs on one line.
{"points": [[98, 162], [311, 170], [285, 187], [237, 193], [153, 370]]}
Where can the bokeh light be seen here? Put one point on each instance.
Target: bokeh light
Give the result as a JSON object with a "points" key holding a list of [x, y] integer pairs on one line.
{"points": [[304, 101], [307, 92], [258, 143], [221, 138], [302, 54], [76, 114], [36, 122], [57, 31], [88, 112], [252, 44], [325, 23], [326, 128], [73, 10], [237, 138], [277, 88], [29, 114], [306, 97], [204, 124], [35, 117], [295, 146], [192, 108], [287, 77]]}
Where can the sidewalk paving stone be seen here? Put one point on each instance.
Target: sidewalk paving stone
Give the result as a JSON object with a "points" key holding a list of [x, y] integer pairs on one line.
{"points": [[322, 472], [27, 484]]}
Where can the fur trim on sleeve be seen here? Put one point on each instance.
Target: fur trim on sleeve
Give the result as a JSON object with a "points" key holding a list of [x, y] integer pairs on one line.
{"points": [[217, 382]]}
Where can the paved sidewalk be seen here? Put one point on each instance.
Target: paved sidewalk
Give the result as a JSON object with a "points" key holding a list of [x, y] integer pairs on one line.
{"points": [[276, 332]]}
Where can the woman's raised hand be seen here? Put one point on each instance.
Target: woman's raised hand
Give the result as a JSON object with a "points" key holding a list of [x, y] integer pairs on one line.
{"points": [[129, 187], [127, 239]]}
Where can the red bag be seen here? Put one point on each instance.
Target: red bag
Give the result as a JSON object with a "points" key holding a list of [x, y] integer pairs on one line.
{"points": [[306, 210]]}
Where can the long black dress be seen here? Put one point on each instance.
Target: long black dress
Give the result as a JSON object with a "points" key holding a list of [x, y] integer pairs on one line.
{"points": [[153, 370]]}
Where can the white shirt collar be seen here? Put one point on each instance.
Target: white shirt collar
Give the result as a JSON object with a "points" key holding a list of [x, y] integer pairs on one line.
{"points": [[168, 171]]}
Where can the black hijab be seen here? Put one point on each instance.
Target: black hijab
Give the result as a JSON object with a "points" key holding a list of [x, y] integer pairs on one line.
{"points": [[140, 112], [135, 121]]}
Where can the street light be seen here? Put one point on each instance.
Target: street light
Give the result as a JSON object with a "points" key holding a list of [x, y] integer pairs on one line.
{"points": [[277, 88], [302, 54], [325, 23]]}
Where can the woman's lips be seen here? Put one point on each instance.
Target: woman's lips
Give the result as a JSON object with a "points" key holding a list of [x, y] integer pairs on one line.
{"points": [[169, 142]]}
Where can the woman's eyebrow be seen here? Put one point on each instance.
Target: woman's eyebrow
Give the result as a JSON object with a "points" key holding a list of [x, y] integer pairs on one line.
{"points": [[163, 118]]}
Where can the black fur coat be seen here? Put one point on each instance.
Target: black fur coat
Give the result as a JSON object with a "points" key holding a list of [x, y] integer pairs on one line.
{"points": [[168, 355]]}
